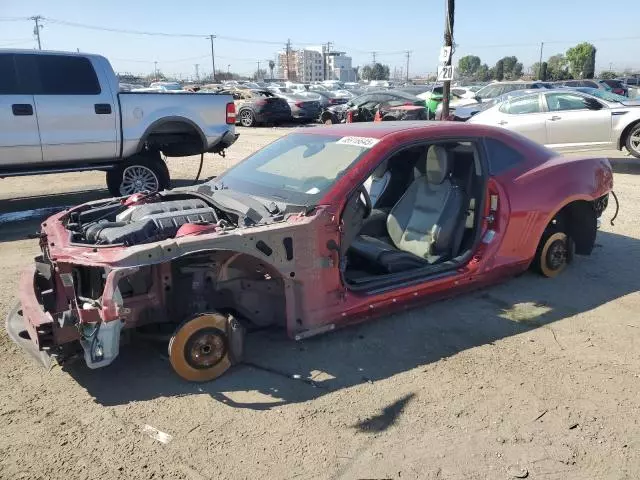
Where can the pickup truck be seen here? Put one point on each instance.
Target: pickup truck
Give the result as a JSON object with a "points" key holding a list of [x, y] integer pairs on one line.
{"points": [[63, 112]]}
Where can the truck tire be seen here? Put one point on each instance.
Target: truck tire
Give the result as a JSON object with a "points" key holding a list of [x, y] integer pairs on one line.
{"points": [[140, 173]]}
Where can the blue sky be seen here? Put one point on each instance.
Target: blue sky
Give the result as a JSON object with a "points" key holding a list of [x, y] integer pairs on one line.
{"points": [[490, 29]]}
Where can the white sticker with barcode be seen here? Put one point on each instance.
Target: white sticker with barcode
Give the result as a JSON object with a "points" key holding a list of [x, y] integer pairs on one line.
{"points": [[365, 142]]}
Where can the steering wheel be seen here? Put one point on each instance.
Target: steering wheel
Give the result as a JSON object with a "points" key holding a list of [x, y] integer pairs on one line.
{"points": [[364, 196]]}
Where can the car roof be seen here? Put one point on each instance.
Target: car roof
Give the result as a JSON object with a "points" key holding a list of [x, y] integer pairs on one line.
{"points": [[379, 130]]}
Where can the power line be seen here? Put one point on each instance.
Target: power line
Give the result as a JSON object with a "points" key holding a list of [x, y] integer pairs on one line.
{"points": [[37, 28], [17, 42]]}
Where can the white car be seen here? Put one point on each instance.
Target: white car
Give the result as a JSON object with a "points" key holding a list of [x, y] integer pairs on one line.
{"points": [[562, 119]]}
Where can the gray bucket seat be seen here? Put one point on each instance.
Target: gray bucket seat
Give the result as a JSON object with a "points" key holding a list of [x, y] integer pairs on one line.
{"points": [[425, 225]]}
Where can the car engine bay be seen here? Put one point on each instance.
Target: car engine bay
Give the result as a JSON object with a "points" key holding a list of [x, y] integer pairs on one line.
{"points": [[147, 218]]}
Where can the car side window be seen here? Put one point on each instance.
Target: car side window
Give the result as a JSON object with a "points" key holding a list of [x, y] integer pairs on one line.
{"points": [[501, 157], [521, 106], [9, 77], [564, 101], [66, 75]]}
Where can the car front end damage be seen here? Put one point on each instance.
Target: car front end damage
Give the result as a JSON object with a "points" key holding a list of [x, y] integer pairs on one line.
{"points": [[174, 259]]}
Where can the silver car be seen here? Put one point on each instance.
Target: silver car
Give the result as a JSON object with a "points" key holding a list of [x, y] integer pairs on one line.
{"points": [[564, 119]]}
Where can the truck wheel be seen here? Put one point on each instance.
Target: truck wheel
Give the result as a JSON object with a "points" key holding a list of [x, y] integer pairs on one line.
{"points": [[140, 173], [246, 118], [200, 348], [633, 141]]}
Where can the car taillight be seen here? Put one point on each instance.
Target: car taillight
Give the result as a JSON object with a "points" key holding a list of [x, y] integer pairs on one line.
{"points": [[261, 102], [299, 104], [231, 114]]}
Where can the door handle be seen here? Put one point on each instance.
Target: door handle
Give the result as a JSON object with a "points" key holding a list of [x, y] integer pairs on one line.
{"points": [[502, 122], [102, 108], [22, 109], [555, 117]]}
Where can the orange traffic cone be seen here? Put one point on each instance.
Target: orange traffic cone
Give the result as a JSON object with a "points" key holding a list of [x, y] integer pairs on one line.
{"points": [[350, 116]]}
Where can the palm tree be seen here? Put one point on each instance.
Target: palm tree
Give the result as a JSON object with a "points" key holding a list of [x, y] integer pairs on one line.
{"points": [[272, 65]]}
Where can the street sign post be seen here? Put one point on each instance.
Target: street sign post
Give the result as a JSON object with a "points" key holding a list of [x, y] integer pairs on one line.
{"points": [[445, 73]]}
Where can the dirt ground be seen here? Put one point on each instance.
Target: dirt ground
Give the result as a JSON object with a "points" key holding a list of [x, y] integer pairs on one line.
{"points": [[534, 378]]}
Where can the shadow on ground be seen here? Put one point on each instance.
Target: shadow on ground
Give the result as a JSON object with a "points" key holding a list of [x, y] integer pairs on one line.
{"points": [[626, 165], [281, 371]]}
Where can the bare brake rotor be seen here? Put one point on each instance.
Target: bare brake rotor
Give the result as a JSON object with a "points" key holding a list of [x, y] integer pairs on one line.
{"points": [[205, 346]]}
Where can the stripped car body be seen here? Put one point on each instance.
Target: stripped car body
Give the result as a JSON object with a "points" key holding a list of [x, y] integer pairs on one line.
{"points": [[247, 253]]}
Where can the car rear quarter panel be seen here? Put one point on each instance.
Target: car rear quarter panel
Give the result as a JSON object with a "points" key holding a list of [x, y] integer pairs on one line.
{"points": [[536, 195]]}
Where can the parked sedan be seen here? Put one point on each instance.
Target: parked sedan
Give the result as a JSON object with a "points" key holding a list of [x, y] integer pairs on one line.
{"points": [[304, 106], [337, 114], [258, 106], [569, 119]]}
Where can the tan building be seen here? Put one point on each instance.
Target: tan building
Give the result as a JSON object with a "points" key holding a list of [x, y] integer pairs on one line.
{"points": [[301, 66]]}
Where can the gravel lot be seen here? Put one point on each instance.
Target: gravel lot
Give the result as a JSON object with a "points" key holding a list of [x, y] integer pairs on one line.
{"points": [[535, 377]]}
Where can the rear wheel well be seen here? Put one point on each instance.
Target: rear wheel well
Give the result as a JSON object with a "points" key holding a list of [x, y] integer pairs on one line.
{"points": [[578, 220], [175, 138], [625, 134]]}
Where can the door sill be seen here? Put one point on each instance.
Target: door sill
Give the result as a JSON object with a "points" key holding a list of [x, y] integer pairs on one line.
{"points": [[392, 281]]}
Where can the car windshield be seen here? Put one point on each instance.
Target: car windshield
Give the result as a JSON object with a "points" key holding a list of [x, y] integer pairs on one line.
{"points": [[298, 168], [171, 87]]}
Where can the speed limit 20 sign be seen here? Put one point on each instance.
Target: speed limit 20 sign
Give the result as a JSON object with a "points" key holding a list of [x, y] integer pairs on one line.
{"points": [[445, 72]]}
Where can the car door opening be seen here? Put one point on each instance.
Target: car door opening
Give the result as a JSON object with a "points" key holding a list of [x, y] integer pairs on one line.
{"points": [[424, 218]]}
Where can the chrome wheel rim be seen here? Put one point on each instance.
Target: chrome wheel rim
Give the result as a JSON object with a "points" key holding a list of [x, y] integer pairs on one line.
{"points": [[137, 178], [246, 118], [635, 140]]}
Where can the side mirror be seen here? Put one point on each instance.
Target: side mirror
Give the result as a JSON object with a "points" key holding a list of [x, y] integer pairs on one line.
{"points": [[592, 104]]}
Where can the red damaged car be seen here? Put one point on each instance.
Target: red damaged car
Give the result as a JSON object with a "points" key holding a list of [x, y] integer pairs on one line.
{"points": [[323, 228]]}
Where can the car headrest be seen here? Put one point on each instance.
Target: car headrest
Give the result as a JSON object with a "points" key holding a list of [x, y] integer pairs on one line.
{"points": [[438, 164], [380, 170]]}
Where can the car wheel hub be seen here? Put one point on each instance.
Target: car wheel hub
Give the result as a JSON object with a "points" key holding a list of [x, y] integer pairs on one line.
{"points": [[137, 178], [635, 141], [557, 254], [205, 348]]}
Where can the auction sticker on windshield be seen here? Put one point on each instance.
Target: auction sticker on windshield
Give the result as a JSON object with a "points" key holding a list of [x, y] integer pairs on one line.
{"points": [[365, 142]]}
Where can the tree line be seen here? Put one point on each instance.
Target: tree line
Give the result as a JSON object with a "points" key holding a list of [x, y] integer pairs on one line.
{"points": [[577, 62]]}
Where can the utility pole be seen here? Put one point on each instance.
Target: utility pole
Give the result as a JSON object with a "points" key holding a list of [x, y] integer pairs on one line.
{"points": [[448, 42], [288, 50], [155, 71], [325, 59], [258, 71], [197, 65], [213, 59], [374, 57], [408, 52], [540, 62], [36, 29], [610, 66]]}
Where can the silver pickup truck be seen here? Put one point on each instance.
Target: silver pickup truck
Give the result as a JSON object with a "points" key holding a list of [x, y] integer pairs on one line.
{"points": [[62, 112]]}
